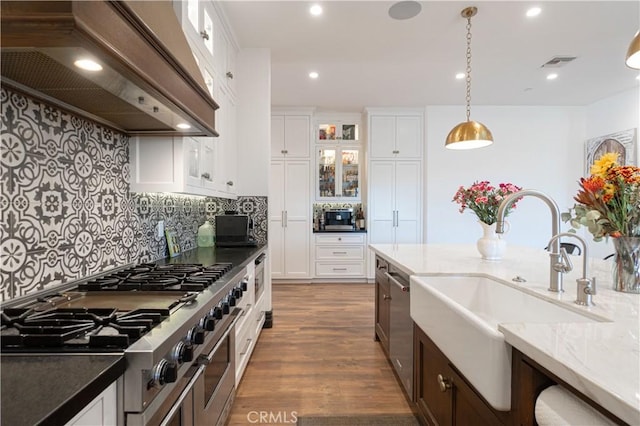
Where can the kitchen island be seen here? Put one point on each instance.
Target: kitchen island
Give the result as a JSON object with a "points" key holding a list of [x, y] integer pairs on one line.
{"points": [[600, 360]]}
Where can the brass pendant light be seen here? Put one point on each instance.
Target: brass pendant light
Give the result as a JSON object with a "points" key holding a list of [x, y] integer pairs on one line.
{"points": [[469, 134], [633, 54]]}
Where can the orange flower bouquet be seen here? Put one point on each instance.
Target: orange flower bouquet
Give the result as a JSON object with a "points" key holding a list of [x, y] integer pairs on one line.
{"points": [[608, 201]]}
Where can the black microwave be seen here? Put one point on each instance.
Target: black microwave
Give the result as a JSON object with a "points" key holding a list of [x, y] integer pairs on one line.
{"points": [[233, 231]]}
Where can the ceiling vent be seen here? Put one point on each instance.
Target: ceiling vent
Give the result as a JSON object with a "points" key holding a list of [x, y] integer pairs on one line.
{"points": [[558, 61]]}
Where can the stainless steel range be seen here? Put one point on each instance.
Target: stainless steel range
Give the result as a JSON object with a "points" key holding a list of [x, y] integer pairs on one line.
{"points": [[174, 324]]}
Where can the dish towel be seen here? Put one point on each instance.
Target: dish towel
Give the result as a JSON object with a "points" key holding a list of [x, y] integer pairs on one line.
{"points": [[557, 406]]}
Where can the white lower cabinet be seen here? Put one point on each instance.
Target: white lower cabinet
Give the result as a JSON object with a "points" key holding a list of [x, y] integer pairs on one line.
{"points": [[249, 326], [103, 410], [340, 255], [395, 204], [289, 219]]}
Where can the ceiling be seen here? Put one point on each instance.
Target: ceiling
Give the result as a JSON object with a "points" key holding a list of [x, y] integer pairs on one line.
{"points": [[365, 58]]}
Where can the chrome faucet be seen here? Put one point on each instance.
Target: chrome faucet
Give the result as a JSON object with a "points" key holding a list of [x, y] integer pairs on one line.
{"points": [[586, 287], [555, 276]]}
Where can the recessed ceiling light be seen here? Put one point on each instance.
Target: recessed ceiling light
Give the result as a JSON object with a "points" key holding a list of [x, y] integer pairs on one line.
{"points": [[404, 10], [88, 64], [183, 126], [314, 74], [460, 76], [552, 76], [315, 10], [534, 11], [638, 77]]}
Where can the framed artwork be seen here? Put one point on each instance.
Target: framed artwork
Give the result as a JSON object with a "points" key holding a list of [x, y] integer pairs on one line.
{"points": [[172, 242], [624, 143]]}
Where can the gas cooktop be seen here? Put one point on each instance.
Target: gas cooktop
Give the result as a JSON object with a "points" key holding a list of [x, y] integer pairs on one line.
{"points": [[108, 313]]}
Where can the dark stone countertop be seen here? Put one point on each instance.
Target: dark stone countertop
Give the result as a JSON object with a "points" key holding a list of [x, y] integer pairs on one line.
{"points": [[238, 256], [48, 389]]}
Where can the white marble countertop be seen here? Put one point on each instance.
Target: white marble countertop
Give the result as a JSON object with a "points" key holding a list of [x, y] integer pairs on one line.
{"points": [[601, 359]]}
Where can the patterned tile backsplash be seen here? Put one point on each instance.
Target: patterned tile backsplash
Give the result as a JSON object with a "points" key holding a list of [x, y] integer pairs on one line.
{"points": [[66, 207]]}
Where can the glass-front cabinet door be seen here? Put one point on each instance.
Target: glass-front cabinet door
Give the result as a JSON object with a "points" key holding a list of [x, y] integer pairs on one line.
{"points": [[337, 131], [338, 173], [350, 173], [326, 173]]}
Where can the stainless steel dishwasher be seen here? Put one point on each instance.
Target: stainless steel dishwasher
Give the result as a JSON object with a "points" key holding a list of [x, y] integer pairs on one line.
{"points": [[401, 328]]}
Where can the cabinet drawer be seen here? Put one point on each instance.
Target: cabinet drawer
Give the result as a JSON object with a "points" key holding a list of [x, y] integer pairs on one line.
{"points": [[339, 270], [339, 238], [340, 252]]}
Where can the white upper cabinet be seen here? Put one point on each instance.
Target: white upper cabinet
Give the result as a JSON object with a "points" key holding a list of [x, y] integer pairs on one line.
{"points": [[338, 173], [184, 165], [337, 128], [396, 136], [290, 135], [213, 171]]}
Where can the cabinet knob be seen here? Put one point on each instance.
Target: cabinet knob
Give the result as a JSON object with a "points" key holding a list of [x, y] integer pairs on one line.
{"points": [[204, 34], [386, 297], [207, 176], [395, 151], [444, 384], [230, 183], [229, 75], [339, 238]]}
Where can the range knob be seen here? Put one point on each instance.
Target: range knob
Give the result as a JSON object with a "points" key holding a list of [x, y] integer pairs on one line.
{"points": [[237, 292], [196, 335], [208, 323], [164, 372], [182, 352], [216, 312], [224, 305], [231, 298], [244, 284]]}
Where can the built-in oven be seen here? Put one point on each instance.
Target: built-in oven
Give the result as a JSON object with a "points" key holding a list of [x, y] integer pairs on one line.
{"points": [[204, 395], [213, 391], [259, 276]]}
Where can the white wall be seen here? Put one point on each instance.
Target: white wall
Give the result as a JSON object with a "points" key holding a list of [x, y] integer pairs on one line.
{"points": [[253, 69], [535, 147]]}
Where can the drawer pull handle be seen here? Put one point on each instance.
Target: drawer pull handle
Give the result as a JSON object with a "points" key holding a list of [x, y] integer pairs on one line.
{"points": [[339, 269], [339, 252], [443, 383], [246, 349]]}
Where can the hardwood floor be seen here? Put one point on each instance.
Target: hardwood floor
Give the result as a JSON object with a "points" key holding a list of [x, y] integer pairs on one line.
{"points": [[319, 358]]}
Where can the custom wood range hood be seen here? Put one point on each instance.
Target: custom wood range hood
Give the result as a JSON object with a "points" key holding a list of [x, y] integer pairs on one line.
{"points": [[149, 83]]}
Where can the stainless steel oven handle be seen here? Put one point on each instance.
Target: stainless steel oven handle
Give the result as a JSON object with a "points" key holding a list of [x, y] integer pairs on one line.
{"points": [[205, 359], [178, 404], [403, 287]]}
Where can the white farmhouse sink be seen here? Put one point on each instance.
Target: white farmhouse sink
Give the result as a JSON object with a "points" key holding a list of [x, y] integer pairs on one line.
{"points": [[461, 313]]}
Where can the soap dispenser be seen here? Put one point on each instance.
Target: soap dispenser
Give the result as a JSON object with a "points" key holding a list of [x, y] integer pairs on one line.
{"points": [[205, 235]]}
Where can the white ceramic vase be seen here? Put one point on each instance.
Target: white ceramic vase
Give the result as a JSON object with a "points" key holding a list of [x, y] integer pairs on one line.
{"points": [[491, 245]]}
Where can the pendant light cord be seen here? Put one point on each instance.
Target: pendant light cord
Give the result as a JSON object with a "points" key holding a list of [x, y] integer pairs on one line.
{"points": [[468, 68]]}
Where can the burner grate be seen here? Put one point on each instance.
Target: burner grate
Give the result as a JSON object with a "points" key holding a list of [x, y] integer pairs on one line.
{"points": [[76, 328], [151, 277]]}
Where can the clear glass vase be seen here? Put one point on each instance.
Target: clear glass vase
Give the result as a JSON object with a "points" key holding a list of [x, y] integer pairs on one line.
{"points": [[626, 269]]}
